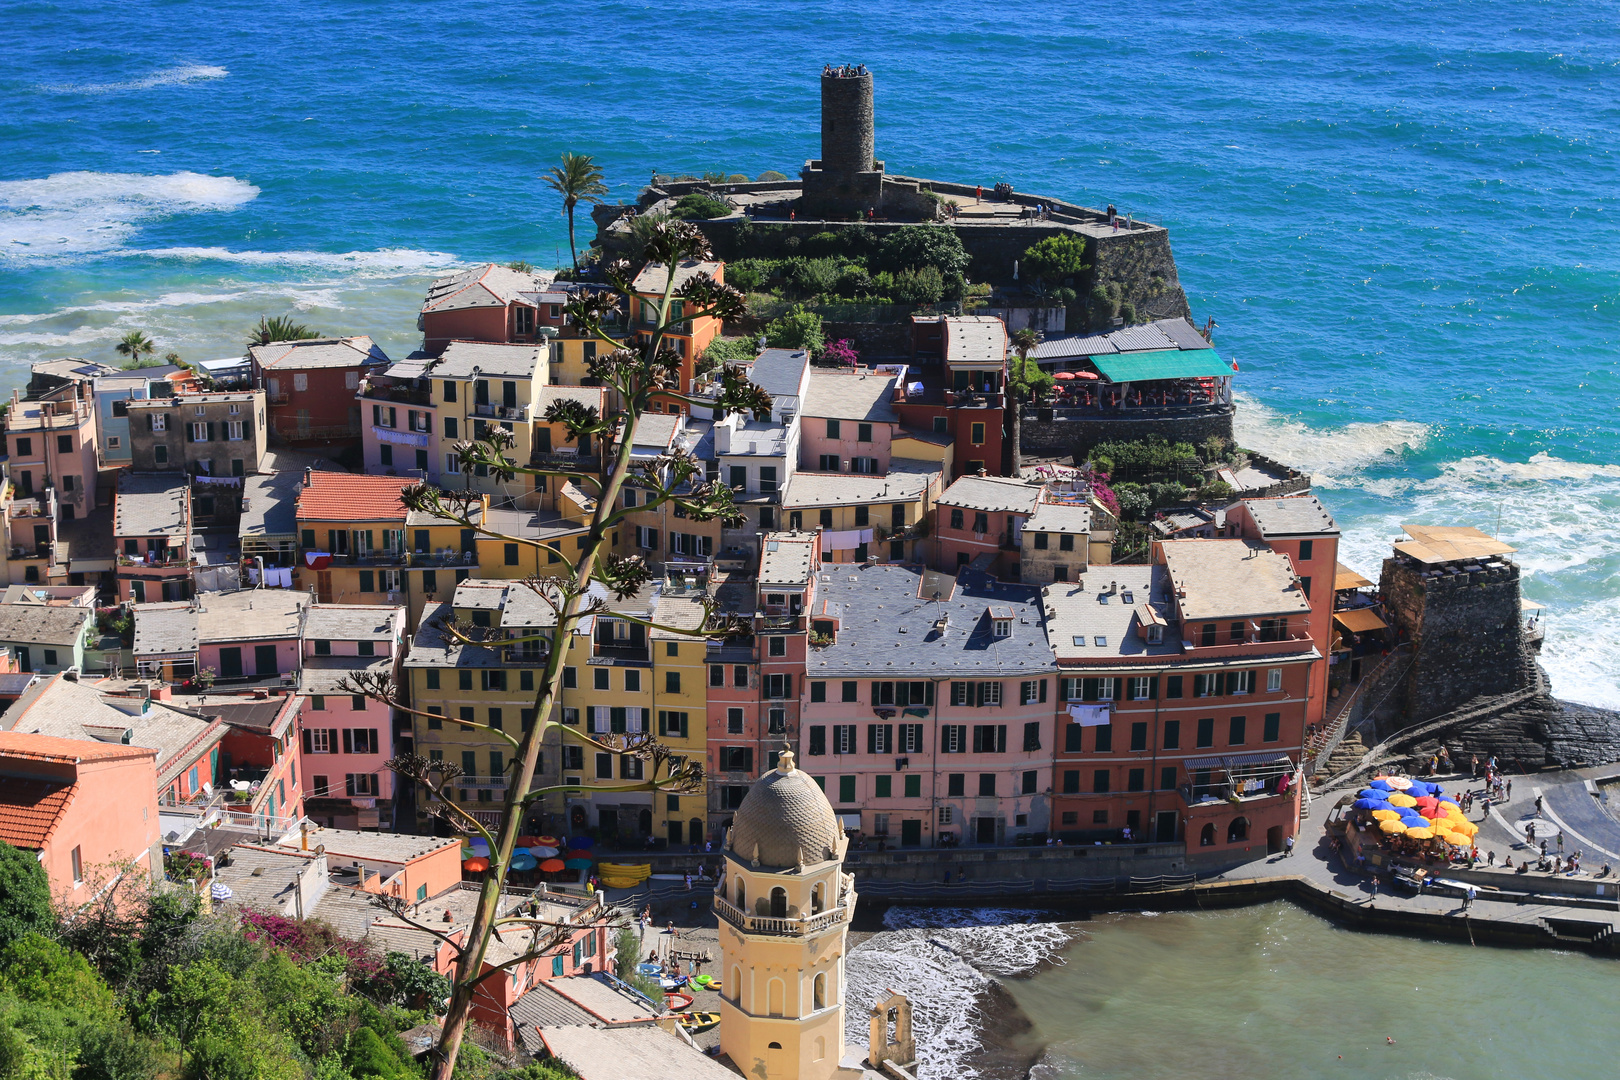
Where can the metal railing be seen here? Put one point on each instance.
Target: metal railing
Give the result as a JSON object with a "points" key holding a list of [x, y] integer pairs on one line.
{"points": [[502, 412]]}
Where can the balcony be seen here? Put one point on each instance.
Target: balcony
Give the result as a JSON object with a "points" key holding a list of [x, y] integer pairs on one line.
{"points": [[502, 412], [561, 458], [1289, 640], [781, 624], [164, 561], [479, 781], [798, 926]]}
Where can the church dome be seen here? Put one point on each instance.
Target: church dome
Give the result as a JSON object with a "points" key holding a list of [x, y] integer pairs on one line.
{"points": [[785, 820]]}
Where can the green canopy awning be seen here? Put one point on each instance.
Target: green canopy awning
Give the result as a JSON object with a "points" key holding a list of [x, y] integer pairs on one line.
{"points": [[1162, 364]]}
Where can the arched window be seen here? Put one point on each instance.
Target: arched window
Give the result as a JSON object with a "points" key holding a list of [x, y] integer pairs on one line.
{"points": [[1238, 830], [821, 1049], [779, 903], [820, 991], [736, 985], [1207, 837], [774, 1046], [816, 902], [742, 896], [776, 998]]}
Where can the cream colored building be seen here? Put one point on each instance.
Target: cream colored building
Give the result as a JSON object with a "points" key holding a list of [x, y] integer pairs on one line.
{"points": [[784, 905]]}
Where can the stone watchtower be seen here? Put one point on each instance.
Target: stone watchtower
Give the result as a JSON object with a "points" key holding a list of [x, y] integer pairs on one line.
{"points": [[1454, 592], [846, 179], [784, 905]]}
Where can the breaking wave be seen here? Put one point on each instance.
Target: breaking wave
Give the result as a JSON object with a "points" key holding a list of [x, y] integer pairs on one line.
{"points": [[76, 213], [1332, 455], [943, 959], [174, 76]]}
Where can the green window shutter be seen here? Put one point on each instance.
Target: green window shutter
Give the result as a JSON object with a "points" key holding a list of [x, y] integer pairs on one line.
{"points": [[366, 581], [308, 539], [210, 431], [846, 789]]}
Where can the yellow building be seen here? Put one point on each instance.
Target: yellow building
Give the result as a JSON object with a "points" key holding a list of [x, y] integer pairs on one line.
{"points": [[784, 906], [861, 517], [493, 685], [476, 385], [680, 698]]}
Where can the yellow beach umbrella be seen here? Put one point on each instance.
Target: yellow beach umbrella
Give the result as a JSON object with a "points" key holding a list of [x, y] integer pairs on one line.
{"points": [[1387, 815], [1454, 838], [1448, 807], [1420, 834], [1402, 800], [1467, 828], [1392, 827]]}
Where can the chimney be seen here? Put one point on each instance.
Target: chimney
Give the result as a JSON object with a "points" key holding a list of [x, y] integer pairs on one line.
{"points": [[308, 474], [162, 693]]}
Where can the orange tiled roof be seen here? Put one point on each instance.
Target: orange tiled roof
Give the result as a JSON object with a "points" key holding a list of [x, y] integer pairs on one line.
{"points": [[31, 809], [36, 747], [334, 496]]}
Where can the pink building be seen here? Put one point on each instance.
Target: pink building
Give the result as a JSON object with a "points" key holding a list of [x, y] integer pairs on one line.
{"points": [[849, 422], [930, 716], [346, 739], [85, 807], [152, 534], [982, 517], [257, 767], [52, 443]]}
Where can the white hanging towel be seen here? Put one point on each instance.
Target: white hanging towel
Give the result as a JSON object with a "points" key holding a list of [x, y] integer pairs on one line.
{"points": [[1090, 715]]}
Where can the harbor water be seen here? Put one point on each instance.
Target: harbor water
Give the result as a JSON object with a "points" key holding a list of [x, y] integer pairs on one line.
{"points": [[1264, 993]]}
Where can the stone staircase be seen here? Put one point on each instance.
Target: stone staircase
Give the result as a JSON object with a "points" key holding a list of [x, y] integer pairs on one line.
{"points": [[1350, 750], [1577, 931]]}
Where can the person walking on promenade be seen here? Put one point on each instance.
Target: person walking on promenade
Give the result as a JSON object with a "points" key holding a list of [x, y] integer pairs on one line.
{"points": [[1538, 805], [1510, 787], [1468, 900], [1560, 841], [1288, 847]]}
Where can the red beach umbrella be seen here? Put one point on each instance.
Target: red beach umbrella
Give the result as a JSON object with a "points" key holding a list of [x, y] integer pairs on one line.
{"points": [[475, 866], [1064, 376], [551, 866]]}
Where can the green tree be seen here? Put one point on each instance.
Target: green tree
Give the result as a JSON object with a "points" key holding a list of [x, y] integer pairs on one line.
{"points": [[35, 968], [1056, 257], [578, 179], [642, 376], [279, 328], [916, 246], [770, 175], [370, 1058], [798, 329], [25, 895], [919, 285], [136, 346], [723, 351]]}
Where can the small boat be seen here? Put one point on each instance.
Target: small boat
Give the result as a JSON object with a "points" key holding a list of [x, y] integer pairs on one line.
{"points": [[650, 969], [673, 984], [696, 1022]]}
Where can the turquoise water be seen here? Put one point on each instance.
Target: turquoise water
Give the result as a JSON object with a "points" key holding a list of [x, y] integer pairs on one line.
{"points": [[1396, 213], [1275, 992]]}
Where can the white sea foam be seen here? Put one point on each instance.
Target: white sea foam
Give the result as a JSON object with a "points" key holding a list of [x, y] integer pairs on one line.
{"points": [[77, 213], [938, 958], [385, 261], [174, 76], [1332, 455]]}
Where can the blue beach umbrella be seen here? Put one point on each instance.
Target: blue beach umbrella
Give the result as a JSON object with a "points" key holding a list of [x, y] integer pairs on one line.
{"points": [[1371, 804], [578, 864], [1415, 821], [581, 843], [479, 846], [523, 861], [1381, 785]]}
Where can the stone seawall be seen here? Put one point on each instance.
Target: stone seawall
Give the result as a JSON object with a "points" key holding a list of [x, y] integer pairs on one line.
{"points": [[1062, 436]]}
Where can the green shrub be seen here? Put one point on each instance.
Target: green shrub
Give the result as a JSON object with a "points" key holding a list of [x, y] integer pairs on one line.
{"points": [[924, 285], [769, 176], [1134, 501], [1163, 495], [816, 277], [823, 244], [728, 351], [1127, 311], [25, 895], [916, 246], [1146, 455], [1056, 257], [798, 329], [747, 275], [1215, 491], [699, 207]]}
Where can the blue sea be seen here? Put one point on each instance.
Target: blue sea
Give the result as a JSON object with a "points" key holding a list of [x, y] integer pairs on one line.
{"points": [[1397, 213]]}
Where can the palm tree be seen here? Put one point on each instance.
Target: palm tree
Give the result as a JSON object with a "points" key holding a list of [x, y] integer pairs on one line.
{"points": [[136, 345], [279, 328], [577, 179], [1023, 343]]}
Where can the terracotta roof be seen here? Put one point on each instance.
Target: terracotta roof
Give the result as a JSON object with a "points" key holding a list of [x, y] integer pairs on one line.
{"points": [[334, 496], [34, 747], [31, 809]]}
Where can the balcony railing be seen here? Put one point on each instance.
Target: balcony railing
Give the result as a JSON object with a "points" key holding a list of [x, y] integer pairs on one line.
{"points": [[502, 412], [798, 926], [165, 562], [1255, 637], [398, 394], [781, 624], [563, 459], [479, 781]]}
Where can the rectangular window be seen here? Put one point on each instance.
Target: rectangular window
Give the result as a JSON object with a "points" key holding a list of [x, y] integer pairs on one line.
{"points": [[779, 686], [1172, 686], [987, 784], [863, 432], [953, 739], [818, 691], [846, 789], [883, 786], [1273, 727], [734, 721], [739, 676], [956, 784], [880, 738], [911, 738], [1172, 734], [976, 435], [632, 681], [1029, 781], [818, 740], [1105, 739], [1136, 780], [1073, 738], [601, 679], [1167, 778], [833, 429], [1306, 550], [1071, 781], [78, 866], [571, 678], [1139, 732], [843, 738], [1032, 735], [913, 786], [989, 738], [1236, 730], [1274, 680], [1099, 781]]}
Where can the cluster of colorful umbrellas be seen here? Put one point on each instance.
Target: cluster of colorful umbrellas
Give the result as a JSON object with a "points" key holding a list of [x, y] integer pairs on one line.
{"points": [[1405, 807], [532, 852]]}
